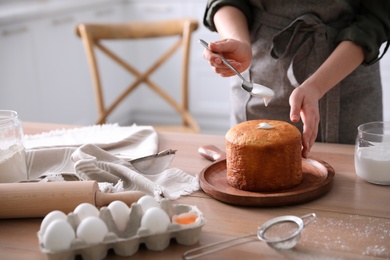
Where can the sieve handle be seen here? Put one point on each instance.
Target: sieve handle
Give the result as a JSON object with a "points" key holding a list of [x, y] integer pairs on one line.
{"points": [[311, 217], [190, 253]]}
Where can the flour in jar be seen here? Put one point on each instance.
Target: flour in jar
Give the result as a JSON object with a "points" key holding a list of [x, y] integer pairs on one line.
{"points": [[373, 164], [13, 164]]}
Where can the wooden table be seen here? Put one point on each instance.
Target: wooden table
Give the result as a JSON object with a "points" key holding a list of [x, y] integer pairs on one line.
{"points": [[353, 219]]}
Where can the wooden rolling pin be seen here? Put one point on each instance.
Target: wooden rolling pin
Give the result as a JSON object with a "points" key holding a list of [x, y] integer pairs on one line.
{"points": [[36, 199]]}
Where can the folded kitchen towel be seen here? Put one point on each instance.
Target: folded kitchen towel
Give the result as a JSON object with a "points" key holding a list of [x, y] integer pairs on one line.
{"points": [[93, 163], [90, 153], [131, 141], [49, 153]]}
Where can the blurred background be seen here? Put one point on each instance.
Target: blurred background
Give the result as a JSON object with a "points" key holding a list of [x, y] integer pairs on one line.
{"points": [[45, 77]]}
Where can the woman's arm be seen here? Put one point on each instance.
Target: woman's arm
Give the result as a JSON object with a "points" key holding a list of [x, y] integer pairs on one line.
{"points": [[344, 59], [304, 100], [231, 24], [358, 43], [370, 29], [213, 6]]}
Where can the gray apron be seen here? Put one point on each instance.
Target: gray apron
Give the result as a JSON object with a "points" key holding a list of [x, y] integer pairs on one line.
{"points": [[298, 47]]}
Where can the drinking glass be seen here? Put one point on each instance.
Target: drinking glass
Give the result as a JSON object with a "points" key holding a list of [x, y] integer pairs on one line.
{"points": [[372, 152]]}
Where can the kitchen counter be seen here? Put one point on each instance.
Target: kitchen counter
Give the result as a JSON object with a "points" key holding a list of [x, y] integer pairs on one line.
{"points": [[353, 218]]}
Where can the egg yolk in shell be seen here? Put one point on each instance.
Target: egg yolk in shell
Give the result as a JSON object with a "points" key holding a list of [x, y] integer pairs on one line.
{"points": [[185, 218]]}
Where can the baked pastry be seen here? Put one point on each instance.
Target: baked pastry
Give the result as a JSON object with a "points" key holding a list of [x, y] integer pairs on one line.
{"points": [[263, 155]]}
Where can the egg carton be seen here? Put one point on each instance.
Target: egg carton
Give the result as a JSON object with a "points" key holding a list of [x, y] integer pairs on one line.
{"points": [[127, 242]]}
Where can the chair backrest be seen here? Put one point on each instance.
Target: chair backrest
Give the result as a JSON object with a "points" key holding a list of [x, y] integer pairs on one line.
{"points": [[93, 35]]}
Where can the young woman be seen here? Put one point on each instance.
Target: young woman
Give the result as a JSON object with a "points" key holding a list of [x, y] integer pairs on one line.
{"points": [[319, 57]]}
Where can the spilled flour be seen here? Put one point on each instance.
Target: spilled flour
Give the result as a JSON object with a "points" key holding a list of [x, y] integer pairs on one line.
{"points": [[367, 235]]}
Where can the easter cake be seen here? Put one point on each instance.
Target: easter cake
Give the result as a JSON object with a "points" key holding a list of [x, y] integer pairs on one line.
{"points": [[263, 156]]}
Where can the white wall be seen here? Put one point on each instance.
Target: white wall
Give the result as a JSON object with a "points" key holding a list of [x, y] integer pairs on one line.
{"points": [[55, 76]]}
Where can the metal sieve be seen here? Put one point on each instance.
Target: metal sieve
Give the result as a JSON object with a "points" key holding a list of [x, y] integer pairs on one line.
{"points": [[280, 233]]}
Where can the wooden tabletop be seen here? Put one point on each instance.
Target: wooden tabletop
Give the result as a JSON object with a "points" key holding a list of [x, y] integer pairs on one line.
{"points": [[353, 218]]}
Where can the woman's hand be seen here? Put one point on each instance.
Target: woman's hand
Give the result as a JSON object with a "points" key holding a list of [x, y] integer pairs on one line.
{"points": [[238, 53], [236, 47], [304, 105]]}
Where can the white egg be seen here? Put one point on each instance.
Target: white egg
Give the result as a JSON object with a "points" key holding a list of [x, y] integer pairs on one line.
{"points": [[147, 202], [58, 236], [156, 220], [53, 215], [92, 230], [120, 213], [84, 210]]}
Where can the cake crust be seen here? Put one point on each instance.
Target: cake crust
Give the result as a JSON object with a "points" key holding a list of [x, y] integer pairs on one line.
{"points": [[263, 159]]}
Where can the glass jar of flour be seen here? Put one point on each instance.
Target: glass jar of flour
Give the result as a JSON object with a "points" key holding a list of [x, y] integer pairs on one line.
{"points": [[13, 166]]}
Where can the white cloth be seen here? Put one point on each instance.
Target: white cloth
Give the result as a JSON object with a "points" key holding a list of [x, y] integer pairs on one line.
{"points": [[89, 153], [133, 141]]}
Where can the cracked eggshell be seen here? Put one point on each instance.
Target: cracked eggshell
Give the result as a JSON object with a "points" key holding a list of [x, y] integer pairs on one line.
{"points": [[187, 219]]}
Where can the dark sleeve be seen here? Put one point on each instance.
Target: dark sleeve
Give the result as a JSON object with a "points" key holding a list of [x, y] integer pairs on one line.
{"points": [[370, 29], [213, 6]]}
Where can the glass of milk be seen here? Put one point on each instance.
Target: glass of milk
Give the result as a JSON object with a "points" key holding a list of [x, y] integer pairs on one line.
{"points": [[13, 166], [372, 152]]}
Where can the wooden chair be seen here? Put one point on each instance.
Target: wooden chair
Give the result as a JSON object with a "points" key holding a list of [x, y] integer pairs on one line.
{"points": [[92, 36]]}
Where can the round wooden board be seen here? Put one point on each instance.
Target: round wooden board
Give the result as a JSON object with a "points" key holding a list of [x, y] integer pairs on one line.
{"points": [[317, 180]]}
